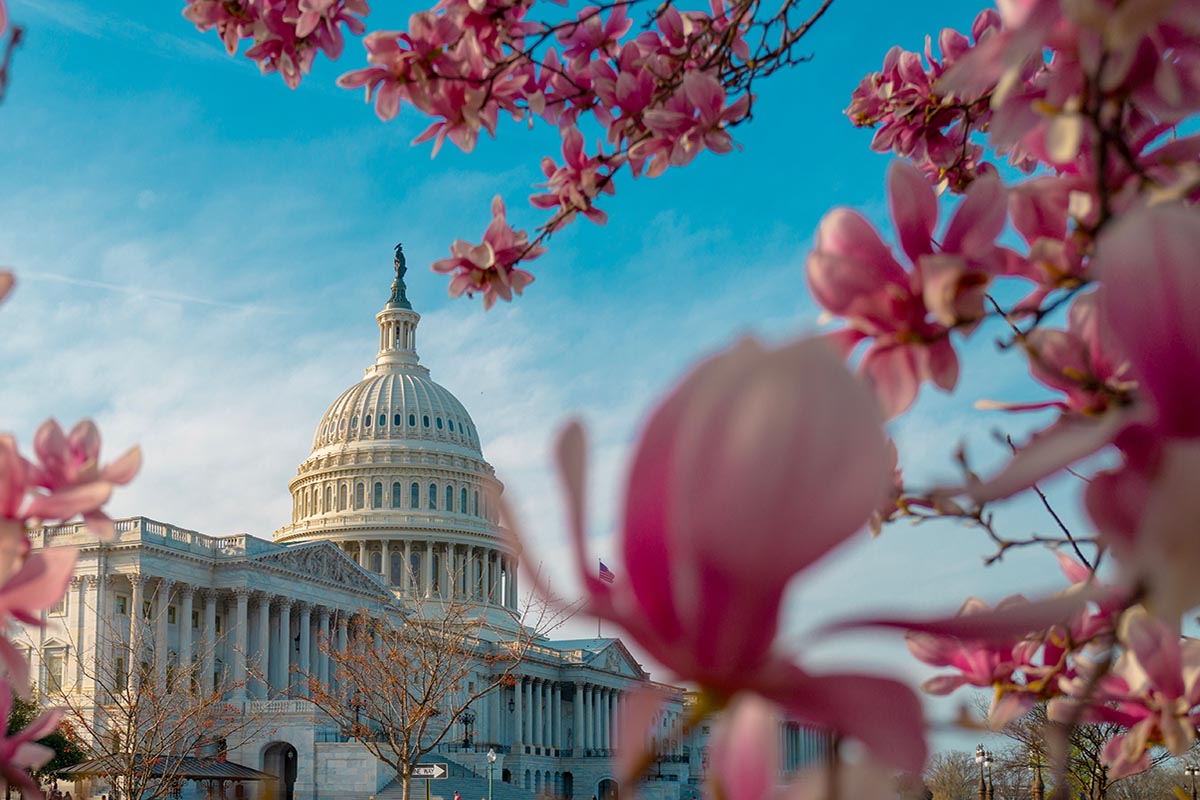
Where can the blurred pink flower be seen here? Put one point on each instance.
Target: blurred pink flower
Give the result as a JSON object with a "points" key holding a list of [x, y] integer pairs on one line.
{"points": [[731, 494], [1077, 363], [70, 465], [907, 315], [20, 752], [1152, 691]]}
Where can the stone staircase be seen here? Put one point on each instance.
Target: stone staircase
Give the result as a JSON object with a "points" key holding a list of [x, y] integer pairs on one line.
{"points": [[462, 779]]}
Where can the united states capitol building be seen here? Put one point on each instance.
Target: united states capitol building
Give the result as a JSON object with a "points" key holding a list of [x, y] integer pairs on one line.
{"points": [[395, 502]]}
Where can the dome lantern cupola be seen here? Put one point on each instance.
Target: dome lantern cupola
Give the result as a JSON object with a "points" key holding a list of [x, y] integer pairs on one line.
{"points": [[397, 324]]}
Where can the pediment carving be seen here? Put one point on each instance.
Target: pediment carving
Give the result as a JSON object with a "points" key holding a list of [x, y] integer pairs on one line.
{"points": [[324, 561], [617, 659]]}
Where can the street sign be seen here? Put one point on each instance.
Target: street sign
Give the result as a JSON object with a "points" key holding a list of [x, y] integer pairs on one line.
{"points": [[430, 771]]}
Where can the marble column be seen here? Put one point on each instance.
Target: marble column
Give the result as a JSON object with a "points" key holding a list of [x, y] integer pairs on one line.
{"points": [[209, 653], [323, 644], [137, 587], [303, 665], [343, 640], [518, 715], [577, 721], [594, 715], [606, 718], [543, 707], [187, 594], [362, 553], [80, 584], [385, 563], [284, 674], [516, 582], [241, 641], [262, 655], [406, 576], [556, 715], [161, 647], [427, 589]]}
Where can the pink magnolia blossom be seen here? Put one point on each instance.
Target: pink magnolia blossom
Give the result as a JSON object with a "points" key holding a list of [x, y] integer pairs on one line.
{"points": [[747, 444], [1077, 363], [917, 122], [1145, 261], [287, 34], [490, 267], [577, 183], [72, 461], [907, 315], [591, 35], [20, 752], [1153, 691], [694, 118]]}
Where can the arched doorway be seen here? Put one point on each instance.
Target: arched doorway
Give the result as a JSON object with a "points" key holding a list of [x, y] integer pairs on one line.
{"points": [[607, 790], [568, 785], [279, 759]]}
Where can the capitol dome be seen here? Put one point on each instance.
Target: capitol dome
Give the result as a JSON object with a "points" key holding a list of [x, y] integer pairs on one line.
{"points": [[397, 479]]}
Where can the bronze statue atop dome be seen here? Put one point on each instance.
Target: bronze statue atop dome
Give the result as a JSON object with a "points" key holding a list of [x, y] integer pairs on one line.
{"points": [[398, 297]]}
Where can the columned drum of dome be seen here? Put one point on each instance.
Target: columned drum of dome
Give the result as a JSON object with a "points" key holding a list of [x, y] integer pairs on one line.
{"points": [[397, 479]]}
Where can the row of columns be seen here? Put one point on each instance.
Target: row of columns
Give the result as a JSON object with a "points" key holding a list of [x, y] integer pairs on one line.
{"points": [[538, 718], [464, 572], [260, 647], [800, 747]]}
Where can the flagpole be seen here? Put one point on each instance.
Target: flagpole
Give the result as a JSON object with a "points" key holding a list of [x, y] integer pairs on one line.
{"points": [[598, 636]]}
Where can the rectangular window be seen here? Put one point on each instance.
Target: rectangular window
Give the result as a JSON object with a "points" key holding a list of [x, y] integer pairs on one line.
{"points": [[147, 607], [218, 624], [170, 615], [54, 672], [59, 608], [122, 604], [195, 620]]}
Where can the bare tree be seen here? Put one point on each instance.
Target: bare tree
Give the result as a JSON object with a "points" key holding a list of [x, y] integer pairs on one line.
{"points": [[402, 684], [1085, 772], [142, 715], [952, 775]]}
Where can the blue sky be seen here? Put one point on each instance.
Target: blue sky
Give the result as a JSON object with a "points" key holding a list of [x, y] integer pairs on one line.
{"points": [[200, 253]]}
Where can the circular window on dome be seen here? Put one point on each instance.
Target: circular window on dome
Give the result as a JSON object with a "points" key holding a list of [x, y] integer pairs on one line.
{"points": [[353, 422], [450, 422], [367, 421], [397, 420], [439, 423], [412, 420], [425, 420], [382, 420]]}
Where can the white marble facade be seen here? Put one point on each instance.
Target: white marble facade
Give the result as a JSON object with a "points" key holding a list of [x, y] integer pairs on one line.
{"points": [[395, 501]]}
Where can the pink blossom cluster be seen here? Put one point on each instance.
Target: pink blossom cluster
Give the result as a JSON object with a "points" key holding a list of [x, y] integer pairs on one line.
{"points": [[66, 480], [917, 120], [662, 95], [286, 34], [1092, 97]]}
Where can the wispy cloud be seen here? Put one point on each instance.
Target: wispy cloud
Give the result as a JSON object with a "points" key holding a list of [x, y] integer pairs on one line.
{"points": [[141, 292]]}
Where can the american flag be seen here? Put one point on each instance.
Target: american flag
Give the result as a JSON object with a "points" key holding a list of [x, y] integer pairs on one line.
{"points": [[606, 574]]}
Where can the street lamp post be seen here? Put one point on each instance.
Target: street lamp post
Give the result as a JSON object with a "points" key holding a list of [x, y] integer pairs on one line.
{"points": [[1192, 771], [991, 787], [467, 718], [491, 764], [979, 754]]}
